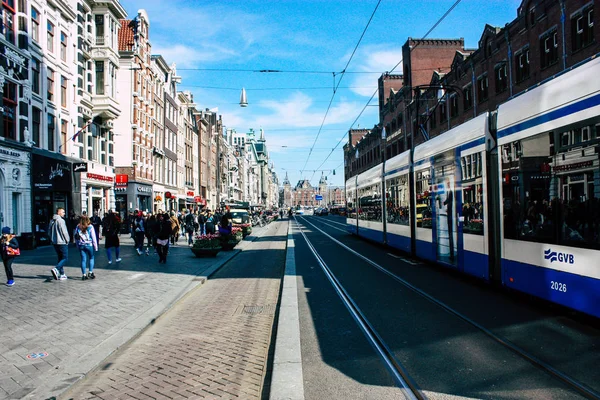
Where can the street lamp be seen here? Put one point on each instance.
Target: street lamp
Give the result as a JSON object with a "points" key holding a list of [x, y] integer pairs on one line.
{"points": [[243, 99]]}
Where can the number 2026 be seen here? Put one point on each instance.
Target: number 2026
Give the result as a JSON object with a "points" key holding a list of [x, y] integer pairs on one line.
{"points": [[561, 287]]}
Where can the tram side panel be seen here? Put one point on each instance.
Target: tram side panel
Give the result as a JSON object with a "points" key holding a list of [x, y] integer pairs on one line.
{"points": [[398, 204], [549, 141], [351, 208]]}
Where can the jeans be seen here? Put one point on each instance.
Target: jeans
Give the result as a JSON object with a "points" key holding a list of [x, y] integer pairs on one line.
{"points": [[62, 251], [87, 253], [109, 253], [8, 268], [190, 237], [139, 240], [162, 252], [202, 229]]}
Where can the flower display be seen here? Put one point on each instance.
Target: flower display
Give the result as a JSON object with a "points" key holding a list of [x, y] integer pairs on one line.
{"points": [[209, 241]]}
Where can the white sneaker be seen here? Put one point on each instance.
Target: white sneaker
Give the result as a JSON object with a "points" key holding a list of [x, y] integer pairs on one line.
{"points": [[110, 262], [63, 277], [139, 252], [118, 260]]}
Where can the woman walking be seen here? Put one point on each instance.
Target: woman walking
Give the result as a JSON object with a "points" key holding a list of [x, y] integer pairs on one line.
{"points": [[111, 229], [10, 249], [163, 233], [85, 237]]}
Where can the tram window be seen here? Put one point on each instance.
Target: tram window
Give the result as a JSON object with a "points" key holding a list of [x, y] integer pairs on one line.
{"points": [[397, 200], [423, 203], [369, 207], [553, 199], [351, 203], [472, 194]]}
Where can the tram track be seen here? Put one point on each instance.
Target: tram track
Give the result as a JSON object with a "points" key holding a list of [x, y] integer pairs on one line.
{"points": [[574, 384]]}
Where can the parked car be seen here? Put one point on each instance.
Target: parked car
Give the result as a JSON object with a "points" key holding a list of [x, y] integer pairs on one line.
{"points": [[323, 212]]}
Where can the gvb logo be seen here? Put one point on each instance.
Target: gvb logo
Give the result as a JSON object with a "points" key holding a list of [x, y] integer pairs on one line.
{"points": [[560, 257]]}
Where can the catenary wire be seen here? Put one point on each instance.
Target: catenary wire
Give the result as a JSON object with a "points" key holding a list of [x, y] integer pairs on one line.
{"points": [[340, 80], [396, 66]]}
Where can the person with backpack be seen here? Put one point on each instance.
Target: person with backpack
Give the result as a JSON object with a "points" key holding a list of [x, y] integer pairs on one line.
{"points": [[9, 246], [163, 233], [111, 229], [60, 238], [87, 242], [140, 226]]}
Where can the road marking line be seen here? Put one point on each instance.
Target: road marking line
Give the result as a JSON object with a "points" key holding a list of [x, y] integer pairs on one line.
{"points": [[393, 255]]}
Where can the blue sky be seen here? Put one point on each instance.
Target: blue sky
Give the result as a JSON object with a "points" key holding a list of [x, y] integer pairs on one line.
{"points": [[309, 35]]}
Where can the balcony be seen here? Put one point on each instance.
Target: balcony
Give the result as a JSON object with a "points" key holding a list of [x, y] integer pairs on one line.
{"points": [[106, 105], [100, 40]]}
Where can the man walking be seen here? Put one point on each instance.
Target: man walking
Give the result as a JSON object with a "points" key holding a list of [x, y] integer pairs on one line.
{"points": [[60, 237], [96, 222]]}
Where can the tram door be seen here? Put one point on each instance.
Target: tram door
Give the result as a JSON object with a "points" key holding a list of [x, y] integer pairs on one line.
{"points": [[446, 243]]}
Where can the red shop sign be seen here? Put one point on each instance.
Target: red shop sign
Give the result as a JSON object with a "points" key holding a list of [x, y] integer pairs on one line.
{"points": [[191, 194], [121, 180], [99, 177], [168, 195]]}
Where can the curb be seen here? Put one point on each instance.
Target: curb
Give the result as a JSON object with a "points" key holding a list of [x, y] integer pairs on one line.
{"points": [[51, 388], [287, 380]]}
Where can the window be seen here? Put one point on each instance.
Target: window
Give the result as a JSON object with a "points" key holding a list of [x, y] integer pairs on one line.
{"points": [[35, 76], [10, 109], [36, 120], [369, 199], [482, 88], [423, 206], [549, 48], [99, 29], [50, 43], [472, 193], [35, 24], [8, 21], [468, 97], [433, 119], [453, 106], [63, 91], [63, 135], [51, 129], [100, 77], [582, 29], [501, 77], [532, 16], [443, 112], [50, 85], [522, 64], [397, 200], [63, 46], [553, 198]]}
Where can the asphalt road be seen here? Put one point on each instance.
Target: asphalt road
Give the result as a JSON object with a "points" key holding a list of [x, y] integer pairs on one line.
{"points": [[445, 355]]}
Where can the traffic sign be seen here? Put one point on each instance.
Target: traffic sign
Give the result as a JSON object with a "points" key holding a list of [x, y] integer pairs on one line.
{"points": [[318, 197]]}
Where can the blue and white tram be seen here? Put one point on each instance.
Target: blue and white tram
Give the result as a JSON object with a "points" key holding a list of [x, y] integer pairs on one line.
{"points": [[396, 175], [549, 160], [450, 198], [369, 204]]}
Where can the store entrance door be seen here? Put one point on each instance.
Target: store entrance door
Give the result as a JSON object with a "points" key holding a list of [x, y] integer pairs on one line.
{"points": [[97, 205]]}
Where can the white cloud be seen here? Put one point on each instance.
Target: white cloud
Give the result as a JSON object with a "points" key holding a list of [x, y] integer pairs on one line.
{"points": [[373, 59]]}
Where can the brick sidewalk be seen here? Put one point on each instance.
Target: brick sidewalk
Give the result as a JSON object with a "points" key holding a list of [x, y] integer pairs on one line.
{"points": [[75, 324], [213, 344]]}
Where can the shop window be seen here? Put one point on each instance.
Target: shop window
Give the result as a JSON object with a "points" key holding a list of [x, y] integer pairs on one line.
{"points": [[468, 97], [501, 78], [522, 65], [553, 198], [482, 88], [582, 29], [397, 200], [9, 109], [549, 48], [35, 24]]}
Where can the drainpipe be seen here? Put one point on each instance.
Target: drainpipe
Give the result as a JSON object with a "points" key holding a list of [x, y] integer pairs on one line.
{"points": [[510, 75], [563, 19]]}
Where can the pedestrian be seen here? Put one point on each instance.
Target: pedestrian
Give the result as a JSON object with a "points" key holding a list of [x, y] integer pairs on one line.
{"points": [[189, 225], [163, 232], [174, 228], [202, 223], [140, 226], [111, 229], [210, 223], [149, 231], [96, 222], [60, 238], [87, 242], [10, 249]]}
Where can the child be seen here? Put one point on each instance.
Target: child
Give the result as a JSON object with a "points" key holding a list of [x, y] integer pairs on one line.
{"points": [[9, 250]]}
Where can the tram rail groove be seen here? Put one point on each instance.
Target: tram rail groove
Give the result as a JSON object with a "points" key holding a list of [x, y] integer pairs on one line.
{"points": [[579, 387], [400, 375]]}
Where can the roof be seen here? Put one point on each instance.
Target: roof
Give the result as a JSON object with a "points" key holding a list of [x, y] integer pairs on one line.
{"points": [[126, 35]]}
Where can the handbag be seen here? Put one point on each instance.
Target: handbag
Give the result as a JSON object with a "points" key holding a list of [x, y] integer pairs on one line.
{"points": [[13, 252]]}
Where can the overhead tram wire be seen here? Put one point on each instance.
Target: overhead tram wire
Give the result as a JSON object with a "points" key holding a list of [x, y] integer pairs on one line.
{"points": [[439, 21], [340, 81]]}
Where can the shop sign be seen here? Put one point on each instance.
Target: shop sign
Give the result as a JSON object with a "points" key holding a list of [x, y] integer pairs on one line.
{"points": [[100, 177], [191, 194], [80, 167], [121, 180], [144, 189], [570, 167], [50, 174], [168, 195], [11, 153], [198, 199]]}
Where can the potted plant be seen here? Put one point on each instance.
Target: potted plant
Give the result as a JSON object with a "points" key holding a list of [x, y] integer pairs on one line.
{"points": [[207, 245], [246, 228]]}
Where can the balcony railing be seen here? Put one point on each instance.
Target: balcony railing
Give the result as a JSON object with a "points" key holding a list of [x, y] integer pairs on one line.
{"points": [[100, 41]]}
